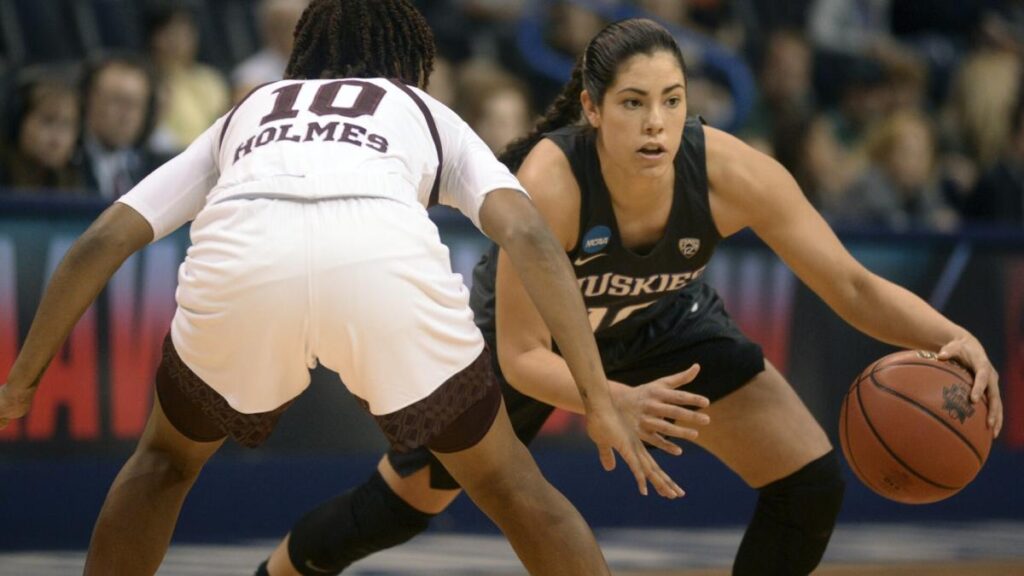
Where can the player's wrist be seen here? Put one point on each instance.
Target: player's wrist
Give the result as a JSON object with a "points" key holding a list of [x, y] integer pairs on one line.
{"points": [[597, 399]]}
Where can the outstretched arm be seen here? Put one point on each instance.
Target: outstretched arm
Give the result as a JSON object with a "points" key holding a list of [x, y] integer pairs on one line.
{"points": [[751, 189], [509, 218], [87, 267], [161, 203]]}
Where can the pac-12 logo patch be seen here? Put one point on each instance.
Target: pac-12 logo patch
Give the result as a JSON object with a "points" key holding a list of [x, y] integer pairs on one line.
{"points": [[689, 246], [596, 239]]}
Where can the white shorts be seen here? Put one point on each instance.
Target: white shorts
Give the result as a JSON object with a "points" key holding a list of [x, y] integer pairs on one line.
{"points": [[362, 285]]}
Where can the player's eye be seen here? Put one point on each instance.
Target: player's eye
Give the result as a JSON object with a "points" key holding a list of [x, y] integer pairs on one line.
{"points": [[631, 104], [674, 102]]}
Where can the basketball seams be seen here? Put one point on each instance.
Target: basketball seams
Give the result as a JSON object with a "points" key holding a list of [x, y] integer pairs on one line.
{"points": [[937, 365], [884, 445], [925, 409], [849, 451]]}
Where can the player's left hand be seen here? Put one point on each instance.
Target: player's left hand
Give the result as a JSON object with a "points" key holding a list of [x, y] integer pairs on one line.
{"points": [[14, 402], [608, 429], [969, 352]]}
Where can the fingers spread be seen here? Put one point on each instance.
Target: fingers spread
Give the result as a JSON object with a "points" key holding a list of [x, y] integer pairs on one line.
{"points": [[681, 378], [668, 428], [680, 398], [680, 415], [661, 481], [607, 458], [660, 442], [639, 471]]}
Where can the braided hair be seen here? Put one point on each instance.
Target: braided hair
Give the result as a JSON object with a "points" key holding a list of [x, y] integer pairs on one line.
{"points": [[362, 39], [594, 72]]}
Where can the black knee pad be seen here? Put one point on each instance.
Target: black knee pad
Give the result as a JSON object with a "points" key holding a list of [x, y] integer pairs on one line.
{"points": [[793, 521], [364, 520]]}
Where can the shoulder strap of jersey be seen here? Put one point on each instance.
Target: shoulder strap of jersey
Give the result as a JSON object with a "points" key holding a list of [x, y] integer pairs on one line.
{"points": [[435, 191], [231, 114]]}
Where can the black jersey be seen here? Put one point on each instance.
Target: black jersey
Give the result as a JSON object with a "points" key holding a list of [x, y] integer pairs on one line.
{"points": [[623, 290]]}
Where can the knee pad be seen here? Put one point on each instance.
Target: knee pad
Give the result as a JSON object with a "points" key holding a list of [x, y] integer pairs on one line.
{"points": [[793, 521], [350, 527]]}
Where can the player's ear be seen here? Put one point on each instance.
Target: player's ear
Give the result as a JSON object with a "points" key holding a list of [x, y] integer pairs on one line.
{"points": [[590, 109]]}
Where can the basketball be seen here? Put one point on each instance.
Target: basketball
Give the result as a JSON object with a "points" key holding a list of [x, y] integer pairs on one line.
{"points": [[909, 430]]}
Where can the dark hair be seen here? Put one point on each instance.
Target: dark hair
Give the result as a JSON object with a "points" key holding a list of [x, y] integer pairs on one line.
{"points": [[362, 39], [96, 66], [158, 15], [595, 70], [30, 85]]}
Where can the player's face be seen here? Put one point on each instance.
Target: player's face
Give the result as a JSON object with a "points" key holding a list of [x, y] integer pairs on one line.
{"points": [[641, 119]]}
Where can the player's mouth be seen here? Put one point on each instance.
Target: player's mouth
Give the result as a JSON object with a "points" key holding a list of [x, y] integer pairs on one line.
{"points": [[652, 152]]}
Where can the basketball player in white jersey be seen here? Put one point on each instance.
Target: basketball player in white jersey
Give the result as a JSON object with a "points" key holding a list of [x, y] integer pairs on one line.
{"points": [[311, 244]]}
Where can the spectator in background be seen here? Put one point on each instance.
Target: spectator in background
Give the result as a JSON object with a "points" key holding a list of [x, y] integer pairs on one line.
{"points": [[277, 20], [568, 27], [899, 190], [118, 101], [861, 28], [821, 165], [493, 23], [1002, 25], [847, 32], [573, 24], [978, 117], [864, 98], [443, 80], [496, 104], [908, 86], [982, 100], [44, 120], [717, 19], [787, 92], [193, 95], [999, 196]]}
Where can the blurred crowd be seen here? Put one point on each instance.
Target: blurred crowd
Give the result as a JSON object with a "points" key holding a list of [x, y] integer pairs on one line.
{"points": [[891, 114]]}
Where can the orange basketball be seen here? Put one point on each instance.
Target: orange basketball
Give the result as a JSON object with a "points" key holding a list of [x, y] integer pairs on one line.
{"points": [[909, 430]]}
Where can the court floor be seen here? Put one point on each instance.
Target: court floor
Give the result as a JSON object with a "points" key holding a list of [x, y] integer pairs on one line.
{"points": [[977, 549]]}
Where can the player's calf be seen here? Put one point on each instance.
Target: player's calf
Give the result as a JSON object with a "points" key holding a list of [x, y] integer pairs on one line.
{"points": [[350, 527]]}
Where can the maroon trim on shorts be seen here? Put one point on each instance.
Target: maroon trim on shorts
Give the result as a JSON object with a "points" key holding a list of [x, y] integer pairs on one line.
{"points": [[200, 413], [453, 418], [471, 426]]}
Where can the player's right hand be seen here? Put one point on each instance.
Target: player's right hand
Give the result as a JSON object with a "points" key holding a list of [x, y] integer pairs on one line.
{"points": [[658, 410], [610, 431], [14, 402]]}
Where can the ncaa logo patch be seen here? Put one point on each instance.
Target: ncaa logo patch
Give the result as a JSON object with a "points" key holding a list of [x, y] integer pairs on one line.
{"points": [[596, 239], [689, 246]]}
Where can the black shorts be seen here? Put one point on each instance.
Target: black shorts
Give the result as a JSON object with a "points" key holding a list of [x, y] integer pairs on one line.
{"points": [[694, 329]]}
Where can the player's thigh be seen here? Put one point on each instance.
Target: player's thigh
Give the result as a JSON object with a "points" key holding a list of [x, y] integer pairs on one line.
{"points": [[763, 431], [415, 488]]}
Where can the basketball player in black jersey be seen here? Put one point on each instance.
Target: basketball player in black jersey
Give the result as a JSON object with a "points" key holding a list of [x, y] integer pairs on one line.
{"points": [[639, 196]]}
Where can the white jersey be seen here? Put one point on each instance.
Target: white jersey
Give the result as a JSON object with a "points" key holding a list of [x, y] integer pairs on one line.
{"points": [[318, 139]]}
